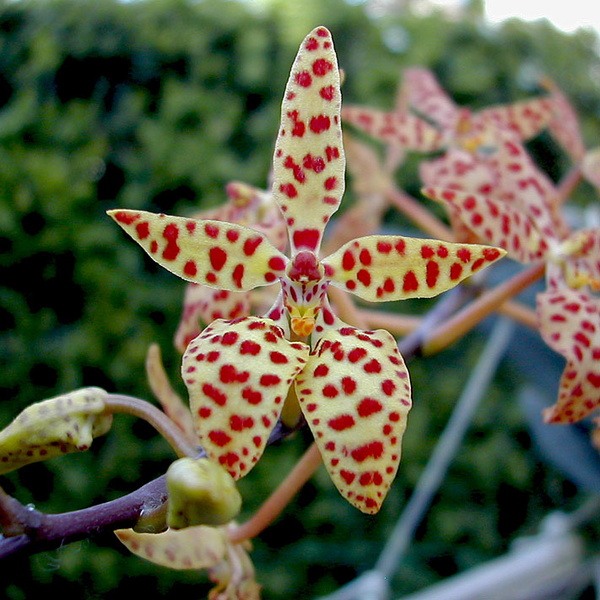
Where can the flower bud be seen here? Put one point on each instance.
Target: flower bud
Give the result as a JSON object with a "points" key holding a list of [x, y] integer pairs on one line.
{"points": [[200, 493], [66, 423]]}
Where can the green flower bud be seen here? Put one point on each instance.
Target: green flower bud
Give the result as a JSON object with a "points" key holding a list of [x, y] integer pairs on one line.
{"points": [[200, 493], [66, 423]]}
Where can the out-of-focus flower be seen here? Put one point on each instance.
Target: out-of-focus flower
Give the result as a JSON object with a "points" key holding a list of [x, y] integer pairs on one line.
{"points": [[425, 119]]}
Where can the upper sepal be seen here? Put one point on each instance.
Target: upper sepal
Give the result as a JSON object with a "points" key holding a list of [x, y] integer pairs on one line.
{"points": [[308, 164]]}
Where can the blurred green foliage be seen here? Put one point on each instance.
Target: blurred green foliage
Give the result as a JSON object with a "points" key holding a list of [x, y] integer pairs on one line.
{"points": [[157, 104]]}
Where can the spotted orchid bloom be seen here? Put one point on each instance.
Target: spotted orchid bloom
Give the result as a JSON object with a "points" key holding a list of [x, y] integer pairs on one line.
{"points": [[246, 205], [426, 119], [300, 360], [513, 205], [570, 325]]}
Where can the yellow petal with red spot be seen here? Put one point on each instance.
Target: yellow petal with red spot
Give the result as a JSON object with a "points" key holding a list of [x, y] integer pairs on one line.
{"points": [[238, 374], [388, 267], [214, 253], [401, 129], [355, 395], [496, 222], [570, 324]]}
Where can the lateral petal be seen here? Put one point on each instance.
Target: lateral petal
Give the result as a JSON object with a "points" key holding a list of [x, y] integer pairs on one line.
{"points": [[238, 374], [355, 395]]}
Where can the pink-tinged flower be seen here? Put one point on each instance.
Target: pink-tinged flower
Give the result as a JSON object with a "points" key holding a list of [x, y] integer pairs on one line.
{"points": [[506, 175], [426, 119], [352, 386], [565, 128], [570, 324], [517, 208], [249, 206]]}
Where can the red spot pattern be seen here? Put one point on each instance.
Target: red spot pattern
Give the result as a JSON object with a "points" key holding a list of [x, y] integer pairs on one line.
{"points": [[346, 417], [247, 390]]}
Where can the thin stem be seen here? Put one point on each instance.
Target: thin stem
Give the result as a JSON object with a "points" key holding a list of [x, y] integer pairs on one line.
{"points": [[520, 313], [280, 498], [568, 184], [118, 403], [472, 314]]}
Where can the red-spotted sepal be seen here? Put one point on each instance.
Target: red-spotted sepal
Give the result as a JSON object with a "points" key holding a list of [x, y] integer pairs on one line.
{"points": [[564, 125], [425, 95], [496, 223], [213, 253], [400, 128], [526, 118], [308, 164], [355, 395], [570, 324], [389, 267], [238, 374]]}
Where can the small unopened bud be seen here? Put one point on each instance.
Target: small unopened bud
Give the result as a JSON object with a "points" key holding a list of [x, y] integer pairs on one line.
{"points": [[200, 493], [53, 427]]}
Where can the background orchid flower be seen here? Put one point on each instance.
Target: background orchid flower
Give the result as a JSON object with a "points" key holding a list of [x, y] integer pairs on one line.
{"points": [[506, 174], [352, 386], [426, 119], [520, 212], [465, 128], [246, 205]]}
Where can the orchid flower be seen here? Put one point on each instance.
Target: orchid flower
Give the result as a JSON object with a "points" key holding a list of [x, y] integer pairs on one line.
{"points": [[528, 225], [426, 119], [242, 375], [518, 210], [250, 206]]}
